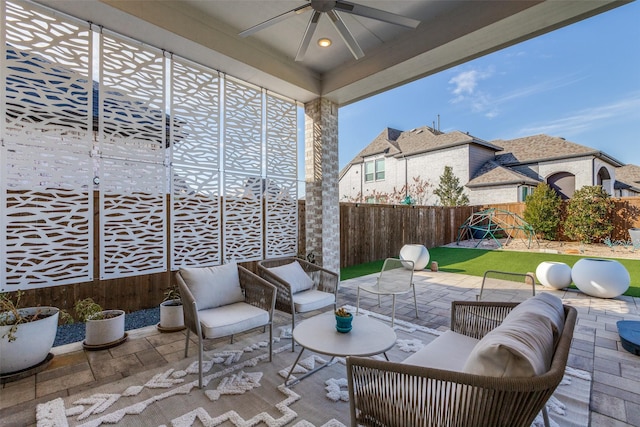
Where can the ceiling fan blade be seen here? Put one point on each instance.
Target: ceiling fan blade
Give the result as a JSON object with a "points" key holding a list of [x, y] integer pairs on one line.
{"points": [[377, 14], [308, 33], [346, 35], [269, 22]]}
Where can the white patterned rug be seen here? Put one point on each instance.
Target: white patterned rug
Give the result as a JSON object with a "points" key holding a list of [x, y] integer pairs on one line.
{"points": [[241, 388]]}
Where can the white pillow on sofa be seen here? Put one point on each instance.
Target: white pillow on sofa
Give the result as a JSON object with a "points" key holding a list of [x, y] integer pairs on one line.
{"points": [[547, 305], [214, 286], [521, 346], [294, 275]]}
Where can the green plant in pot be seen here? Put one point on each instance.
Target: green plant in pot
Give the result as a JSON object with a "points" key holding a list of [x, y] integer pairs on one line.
{"points": [[103, 328], [26, 333], [171, 311], [343, 320]]}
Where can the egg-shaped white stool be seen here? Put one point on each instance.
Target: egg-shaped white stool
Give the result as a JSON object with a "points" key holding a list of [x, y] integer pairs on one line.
{"points": [[416, 253], [552, 274], [602, 278]]}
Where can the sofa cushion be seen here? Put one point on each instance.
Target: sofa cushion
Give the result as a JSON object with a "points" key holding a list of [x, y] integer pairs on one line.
{"points": [[294, 275], [213, 286], [448, 352], [546, 305], [522, 346]]}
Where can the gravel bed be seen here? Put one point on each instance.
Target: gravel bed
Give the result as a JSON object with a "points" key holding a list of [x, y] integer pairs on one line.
{"points": [[138, 319]]}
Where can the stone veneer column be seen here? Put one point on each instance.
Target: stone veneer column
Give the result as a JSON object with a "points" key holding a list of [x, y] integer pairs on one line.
{"points": [[321, 176]]}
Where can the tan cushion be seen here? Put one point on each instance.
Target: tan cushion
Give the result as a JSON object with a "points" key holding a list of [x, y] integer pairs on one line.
{"points": [[213, 286], [231, 319], [312, 299], [522, 346], [294, 275], [546, 305], [448, 352]]}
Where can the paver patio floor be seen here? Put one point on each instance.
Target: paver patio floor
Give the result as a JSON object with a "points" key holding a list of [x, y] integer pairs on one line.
{"points": [[596, 348]]}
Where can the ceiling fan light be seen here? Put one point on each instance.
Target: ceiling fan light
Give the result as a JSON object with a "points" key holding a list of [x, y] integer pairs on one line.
{"points": [[324, 42]]}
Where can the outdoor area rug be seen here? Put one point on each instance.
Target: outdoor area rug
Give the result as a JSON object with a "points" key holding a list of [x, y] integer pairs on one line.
{"points": [[242, 388]]}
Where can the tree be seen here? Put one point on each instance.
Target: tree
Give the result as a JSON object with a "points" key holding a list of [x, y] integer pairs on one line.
{"points": [[449, 191], [541, 211], [589, 215]]}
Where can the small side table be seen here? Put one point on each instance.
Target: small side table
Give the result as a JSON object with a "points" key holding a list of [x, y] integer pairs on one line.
{"points": [[629, 331]]}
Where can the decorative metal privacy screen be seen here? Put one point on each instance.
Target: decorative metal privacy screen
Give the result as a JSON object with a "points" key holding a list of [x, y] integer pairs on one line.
{"points": [[166, 150], [46, 169]]}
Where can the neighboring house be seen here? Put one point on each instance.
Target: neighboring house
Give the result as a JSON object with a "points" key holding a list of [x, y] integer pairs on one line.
{"points": [[500, 171], [627, 181]]}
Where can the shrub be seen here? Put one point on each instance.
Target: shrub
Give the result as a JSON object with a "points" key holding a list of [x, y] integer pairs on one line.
{"points": [[541, 211], [589, 215]]}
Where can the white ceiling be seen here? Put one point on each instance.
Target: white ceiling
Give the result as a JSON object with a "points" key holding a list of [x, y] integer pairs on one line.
{"points": [[451, 32]]}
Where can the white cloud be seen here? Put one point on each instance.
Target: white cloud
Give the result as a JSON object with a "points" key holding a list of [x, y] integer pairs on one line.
{"points": [[589, 118]]}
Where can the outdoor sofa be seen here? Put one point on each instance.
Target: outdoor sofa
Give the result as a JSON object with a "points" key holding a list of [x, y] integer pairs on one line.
{"points": [[497, 366]]}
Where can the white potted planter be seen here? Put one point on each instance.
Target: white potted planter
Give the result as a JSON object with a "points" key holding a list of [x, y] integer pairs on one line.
{"points": [[106, 329], [171, 316], [103, 328], [29, 343]]}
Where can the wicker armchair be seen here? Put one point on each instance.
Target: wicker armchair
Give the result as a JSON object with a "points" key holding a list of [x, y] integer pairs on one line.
{"points": [[383, 393], [225, 311], [323, 292]]}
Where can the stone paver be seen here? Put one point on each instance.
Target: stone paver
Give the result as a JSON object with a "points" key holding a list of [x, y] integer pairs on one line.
{"points": [[615, 397]]}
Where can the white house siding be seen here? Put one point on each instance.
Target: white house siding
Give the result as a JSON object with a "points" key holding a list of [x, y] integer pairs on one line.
{"points": [[582, 169], [493, 195], [431, 166], [349, 185], [478, 156]]}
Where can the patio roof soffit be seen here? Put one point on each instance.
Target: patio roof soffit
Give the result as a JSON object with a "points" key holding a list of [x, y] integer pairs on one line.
{"points": [[457, 32]]}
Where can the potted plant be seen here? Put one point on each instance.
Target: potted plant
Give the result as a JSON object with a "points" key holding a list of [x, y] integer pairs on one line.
{"points": [[343, 320], [26, 334], [171, 311], [103, 328]]}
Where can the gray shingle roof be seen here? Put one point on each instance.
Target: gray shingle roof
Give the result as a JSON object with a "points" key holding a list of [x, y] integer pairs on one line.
{"points": [[628, 177], [425, 139], [492, 173], [539, 148]]}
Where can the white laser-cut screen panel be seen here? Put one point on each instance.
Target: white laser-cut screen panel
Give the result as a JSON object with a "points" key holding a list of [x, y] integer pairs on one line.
{"points": [[133, 199], [132, 112], [281, 217], [46, 234], [281, 137], [243, 239], [196, 218], [242, 127]]}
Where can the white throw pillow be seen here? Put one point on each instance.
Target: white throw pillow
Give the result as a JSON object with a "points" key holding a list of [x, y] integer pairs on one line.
{"points": [[520, 347], [213, 286], [546, 305], [294, 275]]}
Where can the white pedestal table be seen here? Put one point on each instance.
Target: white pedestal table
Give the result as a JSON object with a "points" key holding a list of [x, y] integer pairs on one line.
{"points": [[368, 337]]}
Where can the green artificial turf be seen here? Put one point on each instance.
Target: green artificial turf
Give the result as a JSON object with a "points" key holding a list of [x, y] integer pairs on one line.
{"points": [[475, 262]]}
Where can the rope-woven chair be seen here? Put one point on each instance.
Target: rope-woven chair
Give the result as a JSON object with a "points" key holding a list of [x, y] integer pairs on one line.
{"points": [[383, 393], [324, 282], [259, 297]]}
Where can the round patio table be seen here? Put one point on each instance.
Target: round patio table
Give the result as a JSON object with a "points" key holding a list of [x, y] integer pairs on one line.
{"points": [[318, 334]]}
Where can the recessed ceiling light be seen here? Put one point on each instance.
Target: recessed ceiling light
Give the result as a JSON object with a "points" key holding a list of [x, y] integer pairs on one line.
{"points": [[324, 42]]}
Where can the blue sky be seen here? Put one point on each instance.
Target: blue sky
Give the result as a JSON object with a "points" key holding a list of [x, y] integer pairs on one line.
{"points": [[581, 82]]}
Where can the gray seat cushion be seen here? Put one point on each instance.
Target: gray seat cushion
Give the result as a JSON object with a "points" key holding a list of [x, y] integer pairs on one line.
{"points": [[312, 300], [231, 319], [448, 352]]}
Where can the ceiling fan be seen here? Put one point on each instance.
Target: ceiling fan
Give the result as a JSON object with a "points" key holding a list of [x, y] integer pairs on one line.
{"points": [[331, 8]]}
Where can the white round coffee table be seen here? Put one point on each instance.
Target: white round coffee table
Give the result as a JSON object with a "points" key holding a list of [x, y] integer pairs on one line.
{"points": [[318, 334]]}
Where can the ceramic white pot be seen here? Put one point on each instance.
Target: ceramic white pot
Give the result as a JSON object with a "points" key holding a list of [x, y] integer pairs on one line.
{"points": [[171, 315], [552, 274], [416, 253], [33, 341], [603, 278], [105, 331]]}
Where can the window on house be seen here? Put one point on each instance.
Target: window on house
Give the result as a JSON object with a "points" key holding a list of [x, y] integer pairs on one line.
{"points": [[379, 169], [525, 191], [374, 170]]}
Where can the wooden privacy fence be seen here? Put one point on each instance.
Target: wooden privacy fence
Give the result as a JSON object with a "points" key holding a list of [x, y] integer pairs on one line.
{"points": [[367, 233]]}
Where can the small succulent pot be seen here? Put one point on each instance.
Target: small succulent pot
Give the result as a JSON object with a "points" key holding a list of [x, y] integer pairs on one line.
{"points": [[343, 323]]}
